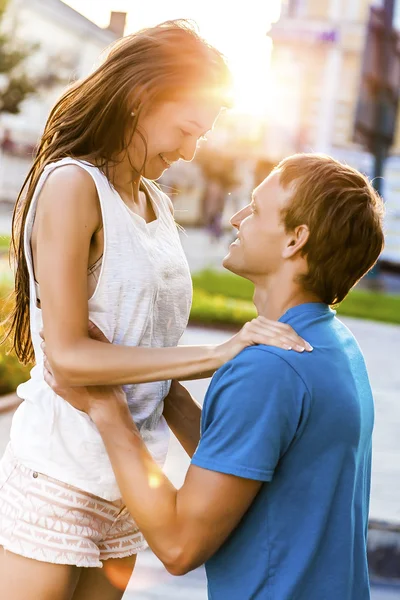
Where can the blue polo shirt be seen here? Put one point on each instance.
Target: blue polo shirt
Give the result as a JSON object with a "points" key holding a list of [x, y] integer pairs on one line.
{"points": [[302, 425]]}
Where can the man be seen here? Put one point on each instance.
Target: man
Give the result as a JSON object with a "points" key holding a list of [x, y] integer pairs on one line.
{"points": [[277, 494]]}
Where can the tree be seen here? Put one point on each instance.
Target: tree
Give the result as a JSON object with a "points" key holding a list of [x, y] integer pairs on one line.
{"points": [[15, 84]]}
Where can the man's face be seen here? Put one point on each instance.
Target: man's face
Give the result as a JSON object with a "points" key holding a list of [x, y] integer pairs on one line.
{"points": [[261, 240]]}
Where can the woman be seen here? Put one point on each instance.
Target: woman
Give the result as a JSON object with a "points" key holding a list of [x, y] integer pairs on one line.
{"points": [[95, 238]]}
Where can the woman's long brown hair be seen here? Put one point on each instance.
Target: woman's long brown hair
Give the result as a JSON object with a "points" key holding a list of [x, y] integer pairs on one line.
{"points": [[90, 121]]}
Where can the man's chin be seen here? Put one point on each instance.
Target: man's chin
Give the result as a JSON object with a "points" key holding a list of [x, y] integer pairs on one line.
{"points": [[229, 264]]}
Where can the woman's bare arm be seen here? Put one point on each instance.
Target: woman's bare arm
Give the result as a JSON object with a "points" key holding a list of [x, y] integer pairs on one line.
{"points": [[66, 219]]}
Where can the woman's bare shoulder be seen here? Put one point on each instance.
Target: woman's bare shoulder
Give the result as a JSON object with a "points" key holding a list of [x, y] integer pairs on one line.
{"points": [[69, 190], [70, 177]]}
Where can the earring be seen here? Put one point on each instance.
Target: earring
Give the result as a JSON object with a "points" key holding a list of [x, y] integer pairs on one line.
{"points": [[132, 114]]}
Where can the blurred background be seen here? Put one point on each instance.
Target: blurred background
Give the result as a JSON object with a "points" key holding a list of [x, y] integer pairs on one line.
{"points": [[310, 76]]}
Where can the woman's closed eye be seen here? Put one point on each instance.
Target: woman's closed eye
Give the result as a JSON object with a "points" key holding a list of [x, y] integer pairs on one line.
{"points": [[184, 133]]}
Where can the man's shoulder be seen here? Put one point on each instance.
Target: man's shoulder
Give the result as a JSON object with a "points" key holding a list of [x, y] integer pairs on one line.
{"points": [[262, 381], [266, 357], [259, 365]]}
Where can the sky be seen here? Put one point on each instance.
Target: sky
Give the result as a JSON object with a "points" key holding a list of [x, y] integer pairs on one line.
{"points": [[240, 34]]}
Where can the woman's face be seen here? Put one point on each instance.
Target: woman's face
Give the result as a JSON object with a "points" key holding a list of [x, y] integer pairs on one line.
{"points": [[172, 130]]}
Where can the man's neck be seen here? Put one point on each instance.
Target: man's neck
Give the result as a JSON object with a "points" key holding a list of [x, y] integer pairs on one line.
{"points": [[274, 295]]}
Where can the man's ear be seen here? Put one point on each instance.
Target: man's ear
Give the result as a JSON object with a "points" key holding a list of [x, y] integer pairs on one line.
{"points": [[296, 241]]}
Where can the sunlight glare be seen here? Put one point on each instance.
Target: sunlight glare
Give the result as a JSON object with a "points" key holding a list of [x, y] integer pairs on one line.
{"points": [[251, 78], [154, 480], [237, 30]]}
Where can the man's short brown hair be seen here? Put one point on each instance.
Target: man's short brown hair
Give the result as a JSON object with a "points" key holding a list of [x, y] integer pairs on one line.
{"points": [[344, 214]]}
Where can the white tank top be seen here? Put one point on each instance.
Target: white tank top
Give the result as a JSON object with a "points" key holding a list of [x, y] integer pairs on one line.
{"points": [[142, 298]]}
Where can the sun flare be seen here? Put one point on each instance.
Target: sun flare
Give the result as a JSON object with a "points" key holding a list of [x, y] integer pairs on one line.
{"points": [[240, 32], [251, 74]]}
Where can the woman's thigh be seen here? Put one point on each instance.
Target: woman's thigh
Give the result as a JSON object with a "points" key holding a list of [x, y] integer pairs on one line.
{"points": [[27, 579], [108, 583]]}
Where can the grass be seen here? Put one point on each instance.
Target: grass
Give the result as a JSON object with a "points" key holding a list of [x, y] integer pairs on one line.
{"points": [[223, 283], [210, 287], [373, 306], [226, 299], [219, 299]]}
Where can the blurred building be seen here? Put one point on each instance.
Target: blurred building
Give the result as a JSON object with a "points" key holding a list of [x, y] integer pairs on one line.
{"points": [[67, 47], [316, 63]]}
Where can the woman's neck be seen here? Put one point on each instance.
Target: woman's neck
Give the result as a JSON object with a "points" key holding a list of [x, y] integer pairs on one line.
{"points": [[125, 179]]}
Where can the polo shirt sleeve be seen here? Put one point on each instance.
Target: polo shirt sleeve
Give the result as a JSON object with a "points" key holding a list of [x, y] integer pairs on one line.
{"points": [[251, 415]]}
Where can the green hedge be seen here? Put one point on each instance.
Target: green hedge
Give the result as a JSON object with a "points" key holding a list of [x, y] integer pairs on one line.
{"points": [[4, 243], [213, 308], [12, 373]]}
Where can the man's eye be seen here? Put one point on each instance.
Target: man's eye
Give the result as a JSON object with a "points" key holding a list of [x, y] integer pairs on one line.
{"points": [[185, 133]]}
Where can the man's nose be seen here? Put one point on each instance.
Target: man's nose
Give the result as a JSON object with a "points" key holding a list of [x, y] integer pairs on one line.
{"points": [[240, 216]]}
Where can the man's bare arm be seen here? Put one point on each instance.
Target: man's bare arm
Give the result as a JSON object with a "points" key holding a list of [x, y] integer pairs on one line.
{"points": [[183, 415], [184, 527]]}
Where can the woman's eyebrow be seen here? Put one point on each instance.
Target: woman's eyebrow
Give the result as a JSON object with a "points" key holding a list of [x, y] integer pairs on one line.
{"points": [[198, 126]]}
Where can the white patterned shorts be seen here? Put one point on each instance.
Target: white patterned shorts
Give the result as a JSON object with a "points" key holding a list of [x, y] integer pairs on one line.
{"points": [[47, 520]]}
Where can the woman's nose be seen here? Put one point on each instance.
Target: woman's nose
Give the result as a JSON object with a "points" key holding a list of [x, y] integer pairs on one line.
{"points": [[188, 149]]}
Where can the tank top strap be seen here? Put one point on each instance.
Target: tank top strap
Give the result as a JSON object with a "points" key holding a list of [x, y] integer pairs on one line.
{"points": [[163, 202]]}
